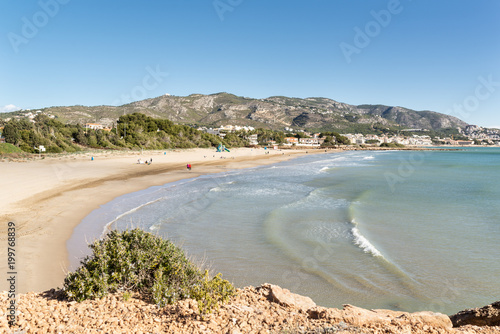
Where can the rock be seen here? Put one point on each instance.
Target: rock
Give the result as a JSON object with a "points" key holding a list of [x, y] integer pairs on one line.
{"points": [[317, 313], [267, 309], [436, 320], [286, 298], [358, 316], [361, 317], [488, 315]]}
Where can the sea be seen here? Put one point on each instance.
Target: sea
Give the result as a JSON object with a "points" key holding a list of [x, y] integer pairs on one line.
{"points": [[400, 230]]}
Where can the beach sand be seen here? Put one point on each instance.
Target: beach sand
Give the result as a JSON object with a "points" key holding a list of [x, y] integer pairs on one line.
{"points": [[46, 199]]}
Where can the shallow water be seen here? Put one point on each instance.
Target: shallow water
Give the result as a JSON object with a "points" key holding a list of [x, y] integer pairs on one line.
{"points": [[407, 230]]}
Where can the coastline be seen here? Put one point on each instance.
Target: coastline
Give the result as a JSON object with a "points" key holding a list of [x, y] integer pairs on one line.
{"points": [[47, 199], [70, 187]]}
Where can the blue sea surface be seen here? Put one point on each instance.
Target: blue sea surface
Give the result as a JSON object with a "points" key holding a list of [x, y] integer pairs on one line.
{"points": [[404, 230]]}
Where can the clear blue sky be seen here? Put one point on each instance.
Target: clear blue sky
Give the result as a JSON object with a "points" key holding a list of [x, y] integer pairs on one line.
{"points": [[421, 54]]}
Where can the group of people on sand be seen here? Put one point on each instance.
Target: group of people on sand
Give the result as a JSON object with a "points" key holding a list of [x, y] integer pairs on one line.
{"points": [[150, 161], [147, 162]]}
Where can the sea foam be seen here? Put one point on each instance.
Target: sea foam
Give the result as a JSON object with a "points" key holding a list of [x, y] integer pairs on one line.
{"points": [[107, 228], [364, 243]]}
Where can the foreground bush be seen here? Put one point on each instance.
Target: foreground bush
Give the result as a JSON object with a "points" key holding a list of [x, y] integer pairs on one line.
{"points": [[137, 261]]}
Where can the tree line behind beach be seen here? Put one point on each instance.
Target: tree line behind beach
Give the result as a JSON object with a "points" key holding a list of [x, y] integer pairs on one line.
{"points": [[133, 131]]}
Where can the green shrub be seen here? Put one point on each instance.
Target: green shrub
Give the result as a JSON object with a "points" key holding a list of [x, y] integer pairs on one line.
{"points": [[9, 148], [126, 295], [394, 145], [54, 149], [141, 262]]}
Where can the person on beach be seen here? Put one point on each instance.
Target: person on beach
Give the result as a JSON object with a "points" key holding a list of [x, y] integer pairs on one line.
{"points": [[188, 166]]}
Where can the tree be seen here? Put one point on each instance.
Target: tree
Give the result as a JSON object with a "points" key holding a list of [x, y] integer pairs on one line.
{"points": [[339, 139], [11, 133], [329, 141], [342, 140]]}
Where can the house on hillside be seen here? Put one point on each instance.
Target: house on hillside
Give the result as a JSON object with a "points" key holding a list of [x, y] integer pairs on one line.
{"points": [[94, 126], [215, 132], [311, 141], [291, 140], [356, 139]]}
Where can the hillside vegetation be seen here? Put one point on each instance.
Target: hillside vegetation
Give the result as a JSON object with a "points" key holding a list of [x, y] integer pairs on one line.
{"points": [[6, 148], [133, 131]]}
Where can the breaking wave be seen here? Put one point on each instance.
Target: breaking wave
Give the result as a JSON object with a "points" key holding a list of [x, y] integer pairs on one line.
{"points": [[362, 242], [107, 227]]}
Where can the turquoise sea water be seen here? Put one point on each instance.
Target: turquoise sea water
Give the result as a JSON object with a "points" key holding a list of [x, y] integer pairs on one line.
{"points": [[406, 230]]}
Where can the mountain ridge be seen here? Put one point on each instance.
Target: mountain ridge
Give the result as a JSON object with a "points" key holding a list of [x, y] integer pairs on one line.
{"points": [[274, 112]]}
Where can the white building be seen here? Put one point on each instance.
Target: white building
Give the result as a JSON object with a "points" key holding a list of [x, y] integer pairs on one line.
{"points": [[252, 139], [94, 126]]}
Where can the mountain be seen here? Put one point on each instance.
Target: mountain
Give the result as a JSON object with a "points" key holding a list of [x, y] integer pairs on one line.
{"points": [[275, 112]]}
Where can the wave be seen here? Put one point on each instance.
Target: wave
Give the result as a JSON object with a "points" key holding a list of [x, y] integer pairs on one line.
{"points": [[219, 187], [363, 243], [370, 157], [317, 199], [155, 227], [314, 251], [107, 228]]}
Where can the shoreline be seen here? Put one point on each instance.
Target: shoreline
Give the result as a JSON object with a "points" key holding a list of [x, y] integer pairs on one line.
{"points": [[47, 199], [66, 185]]}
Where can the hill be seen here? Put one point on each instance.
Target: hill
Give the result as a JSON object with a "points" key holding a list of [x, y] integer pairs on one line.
{"points": [[277, 113]]}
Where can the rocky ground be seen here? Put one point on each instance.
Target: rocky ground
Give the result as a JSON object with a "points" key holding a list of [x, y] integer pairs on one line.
{"points": [[265, 309]]}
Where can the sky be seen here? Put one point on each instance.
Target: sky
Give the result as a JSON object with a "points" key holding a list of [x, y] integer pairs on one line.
{"points": [[442, 55]]}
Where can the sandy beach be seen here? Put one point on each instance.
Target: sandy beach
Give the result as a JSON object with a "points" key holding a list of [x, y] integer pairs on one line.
{"points": [[46, 199]]}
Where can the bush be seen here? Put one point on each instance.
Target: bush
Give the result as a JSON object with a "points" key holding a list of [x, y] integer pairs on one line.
{"points": [[9, 148], [54, 149], [393, 145], [141, 262]]}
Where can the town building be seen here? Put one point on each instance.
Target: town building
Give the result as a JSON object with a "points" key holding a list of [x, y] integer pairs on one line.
{"points": [[94, 126]]}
